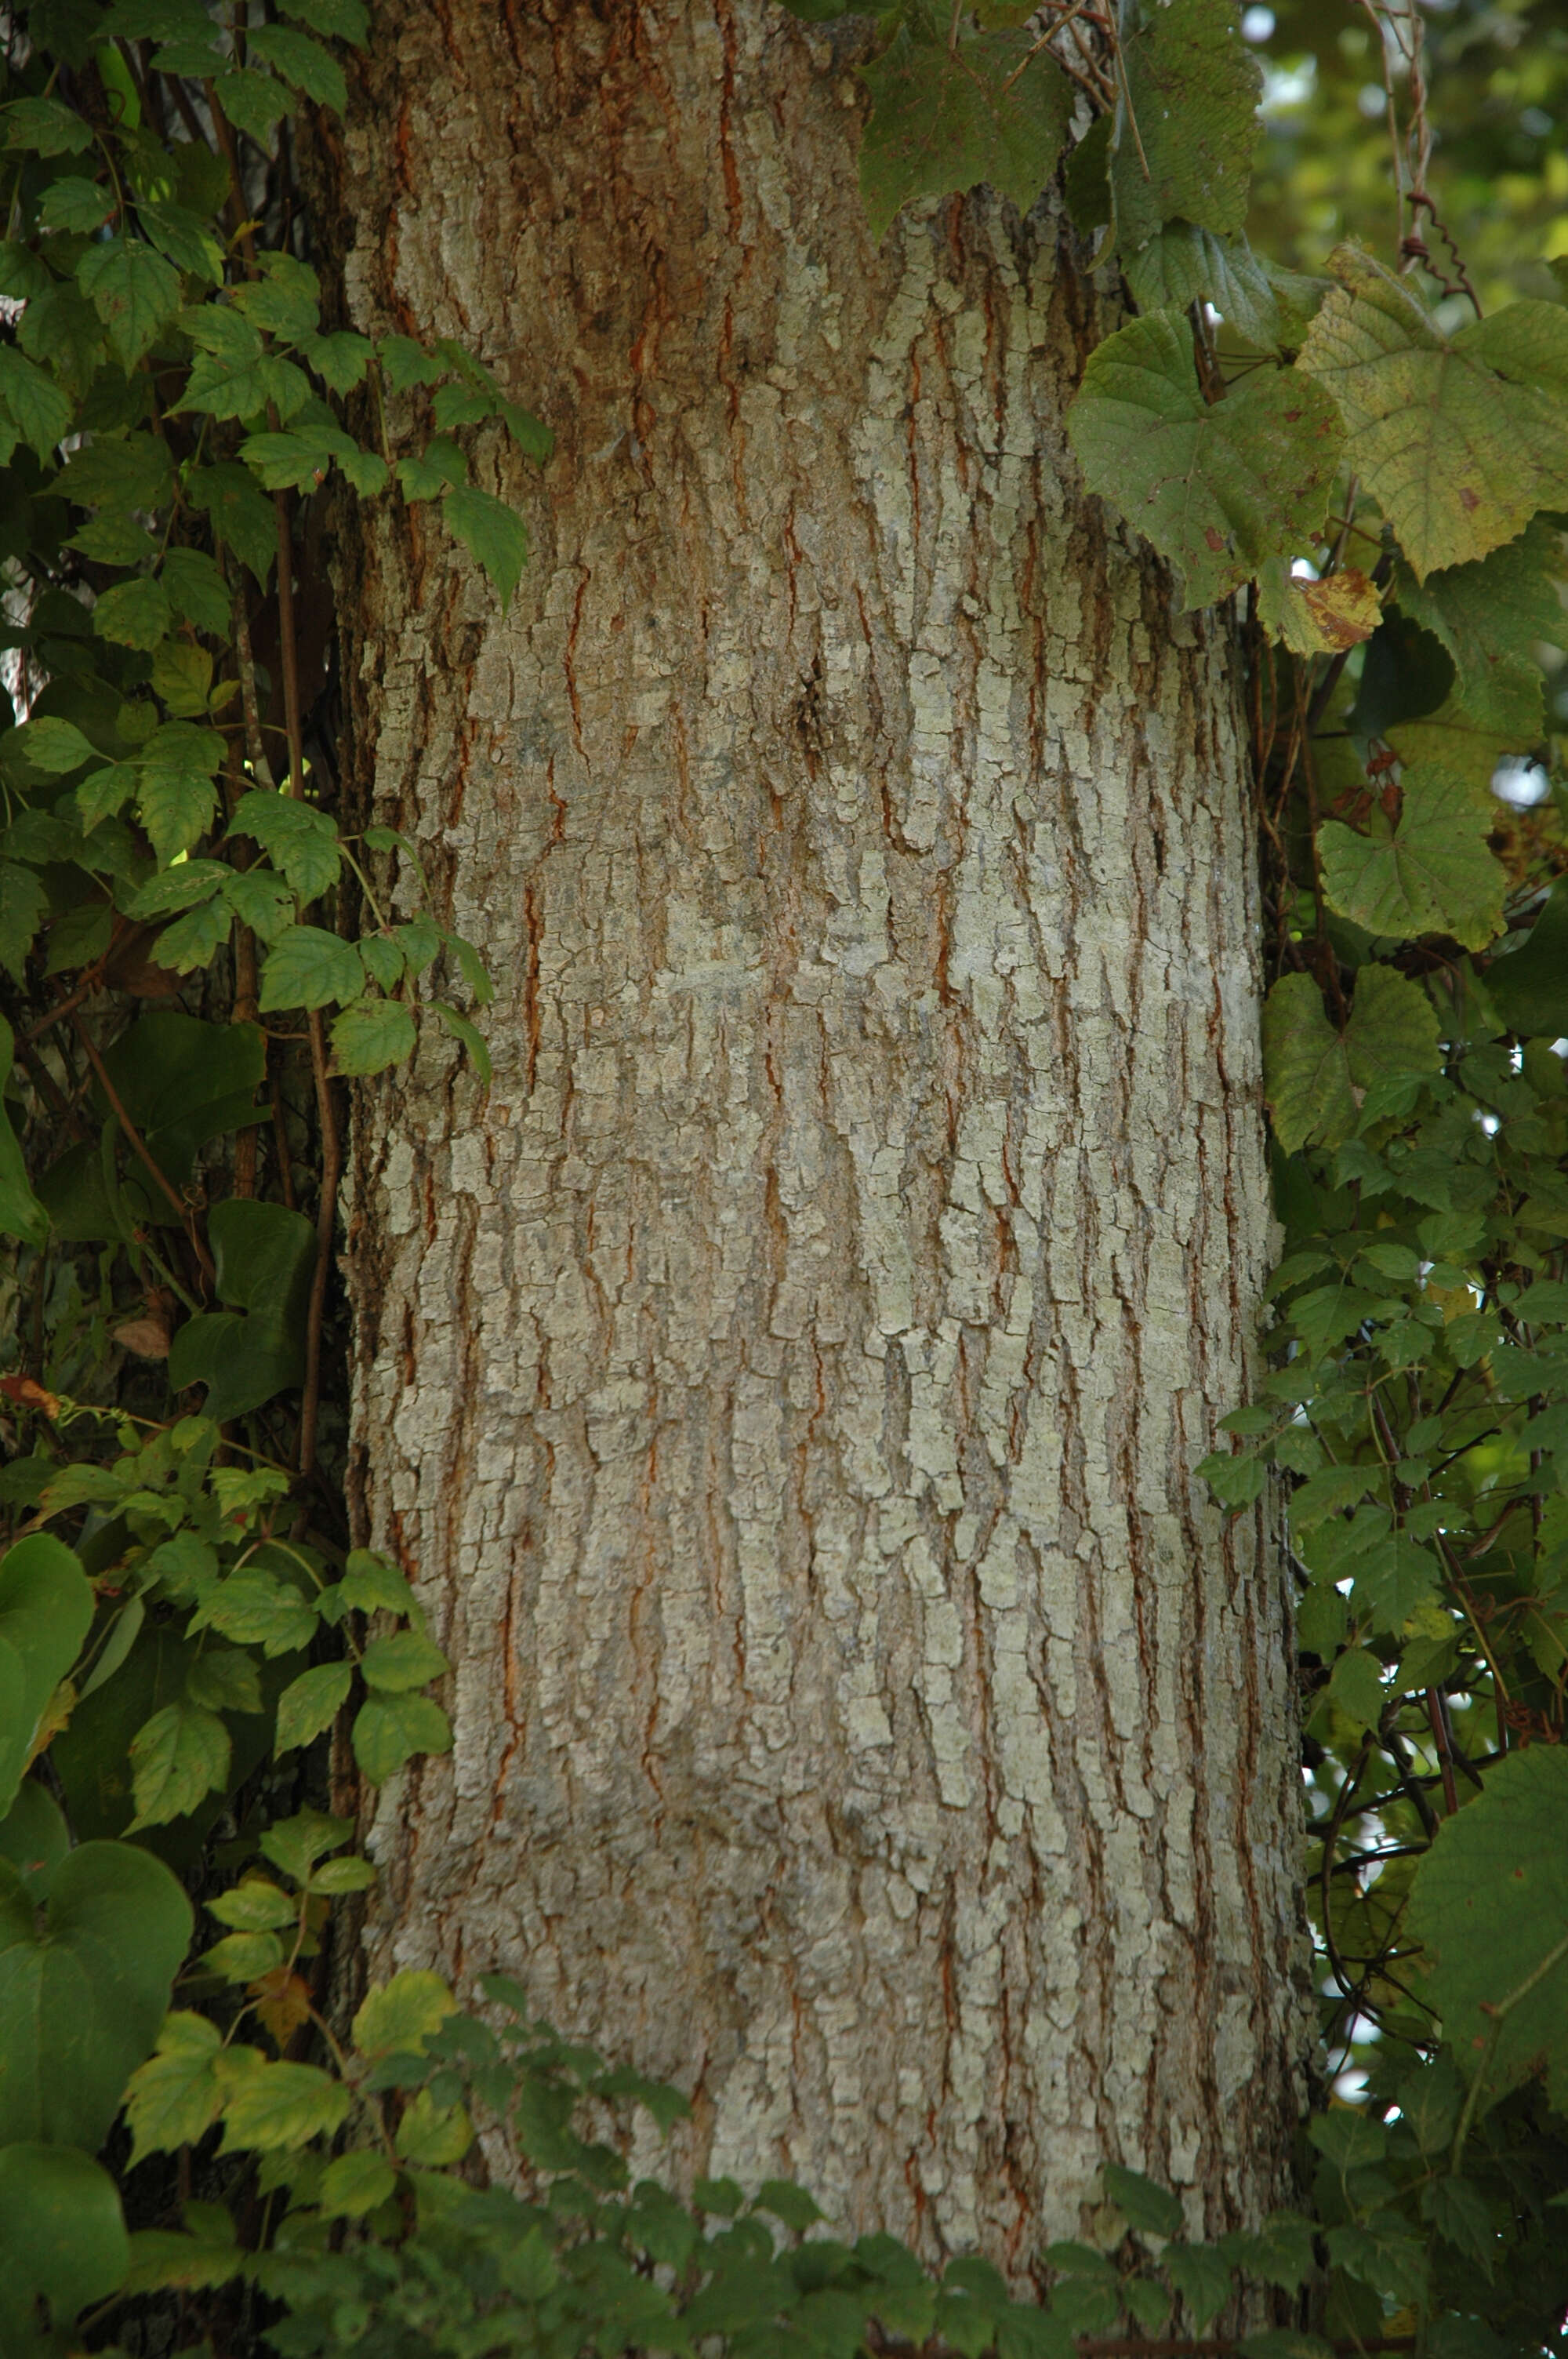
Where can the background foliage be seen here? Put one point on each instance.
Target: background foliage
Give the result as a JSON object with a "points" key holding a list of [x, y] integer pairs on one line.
{"points": [[1341, 397]]}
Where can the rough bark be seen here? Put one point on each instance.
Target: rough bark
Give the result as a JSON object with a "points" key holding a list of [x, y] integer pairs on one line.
{"points": [[785, 1387]]}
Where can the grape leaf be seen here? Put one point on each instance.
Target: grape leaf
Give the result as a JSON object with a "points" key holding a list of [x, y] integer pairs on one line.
{"points": [[944, 120], [1186, 265], [1459, 440], [1489, 617], [1311, 1072], [1433, 875], [1186, 124], [1220, 487], [1490, 1905]]}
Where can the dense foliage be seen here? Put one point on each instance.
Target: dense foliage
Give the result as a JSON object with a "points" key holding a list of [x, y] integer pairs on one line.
{"points": [[192, 1660]]}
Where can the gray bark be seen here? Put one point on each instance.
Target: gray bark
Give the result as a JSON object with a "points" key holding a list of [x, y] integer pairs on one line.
{"points": [[784, 1386]]}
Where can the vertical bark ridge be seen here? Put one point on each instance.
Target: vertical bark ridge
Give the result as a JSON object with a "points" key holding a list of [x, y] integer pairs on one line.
{"points": [[783, 1388]]}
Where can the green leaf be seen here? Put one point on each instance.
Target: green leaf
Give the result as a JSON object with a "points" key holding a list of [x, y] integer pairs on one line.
{"points": [[182, 678], [42, 126], [943, 121], [434, 2136], [254, 1906], [371, 1036], [341, 359], [40, 412], [174, 2098], [84, 1986], [253, 102], [302, 63], [53, 747], [281, 2105], [355, 2183], [1393, 1582], [76, 205], [467, 1034], [34, 1837], [184, 238], [284, 298], [46, 1610], [242, 1957], [175, 807], [1433, 876], [300, 842], [405, 363], [1489, 617], [441, 465], [401, 1660], [1186, 124], [401, 2015], [346, 20], [494, 536], [197, 591], [344, 1875], [134, 290], [390, 1730], [1530, 987], [225, 1679], [263, 1258], [24, 904], [255, 1608], [135, 613], [1459, 440], [1218, 487], [176, 1757], [311, 1703], [60, 327], [294, 1844], [1201, 2276], [1145, 2205], [1280, 2252], [1311, 1072], [1355, 1686], [63, 2240], [1186, 265], [260, 900], [184, 1082], [370, 1585], [308, 967], [241, 517], [1490, 1905]]}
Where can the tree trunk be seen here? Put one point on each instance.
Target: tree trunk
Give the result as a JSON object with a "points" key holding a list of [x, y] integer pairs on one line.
{"points": [[785, 1387]]}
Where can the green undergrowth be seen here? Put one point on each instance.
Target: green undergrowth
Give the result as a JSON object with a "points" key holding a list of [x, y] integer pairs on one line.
{"points": [[198, 950]]}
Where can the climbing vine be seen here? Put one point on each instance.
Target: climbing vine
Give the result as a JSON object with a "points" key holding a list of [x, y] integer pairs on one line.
{"points": [[199, 949]]}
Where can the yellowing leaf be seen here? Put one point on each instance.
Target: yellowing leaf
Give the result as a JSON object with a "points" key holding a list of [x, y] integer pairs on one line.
{"points": [[278, 2106], [1219, 488], [434, 2135], [174, 2098], [402, 2013], [1459, 440], [1433, 875], [1316, 618]]}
